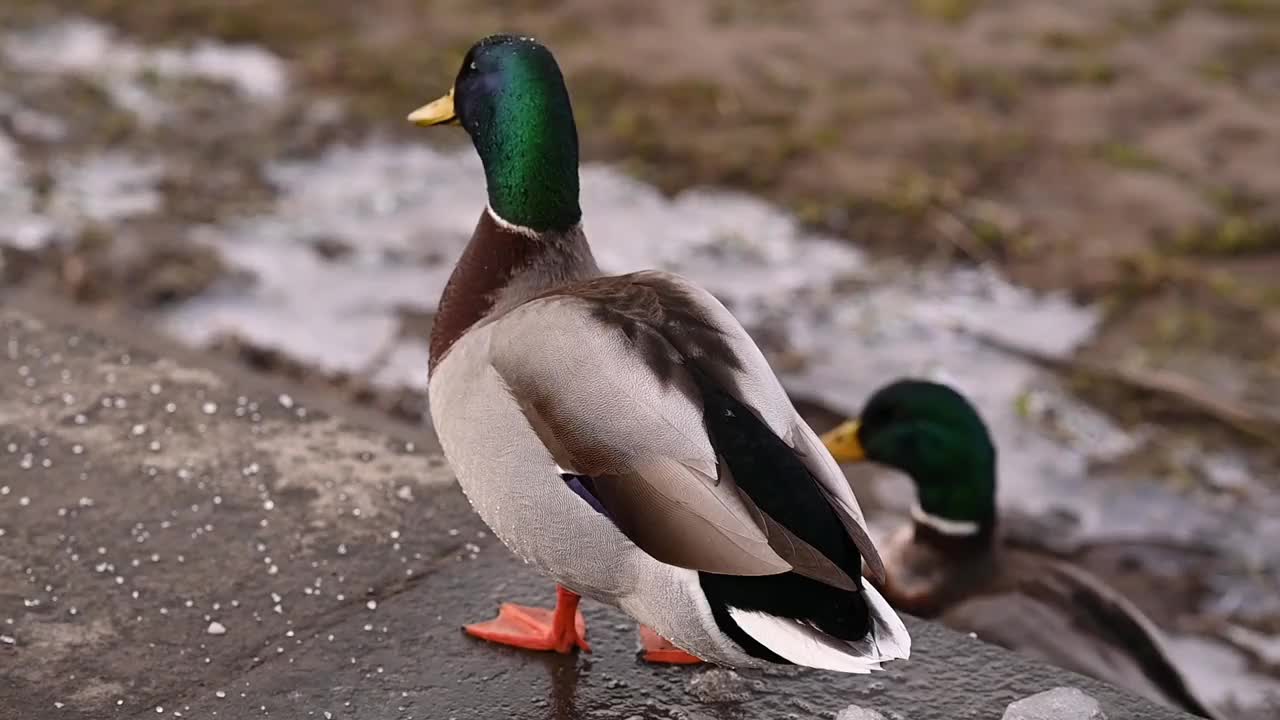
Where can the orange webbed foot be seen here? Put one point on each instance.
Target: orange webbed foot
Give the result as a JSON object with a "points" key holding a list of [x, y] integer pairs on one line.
{"points": [[656, 649], [531, 628]]}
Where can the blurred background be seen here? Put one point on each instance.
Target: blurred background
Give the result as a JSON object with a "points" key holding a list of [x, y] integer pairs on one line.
{"points": [[1067, 210]]}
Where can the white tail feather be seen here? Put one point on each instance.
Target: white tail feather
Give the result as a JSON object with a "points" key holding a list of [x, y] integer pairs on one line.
{"points": [[888, 633], [804, 644]]}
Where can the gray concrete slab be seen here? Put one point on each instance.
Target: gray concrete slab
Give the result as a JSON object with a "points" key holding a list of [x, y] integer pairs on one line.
{"points": [[180, 541]]}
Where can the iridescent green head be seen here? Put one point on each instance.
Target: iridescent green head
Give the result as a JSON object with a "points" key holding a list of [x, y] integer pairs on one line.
{"points": [[933, 434], [510, 97]]}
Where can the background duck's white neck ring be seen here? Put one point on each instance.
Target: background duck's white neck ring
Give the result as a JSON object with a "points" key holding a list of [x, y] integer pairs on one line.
{"points": [[508, 225], [954, 528], [520, 229]]}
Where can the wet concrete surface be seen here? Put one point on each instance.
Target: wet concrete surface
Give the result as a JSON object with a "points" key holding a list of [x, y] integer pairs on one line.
{"points": [[180, 541]]}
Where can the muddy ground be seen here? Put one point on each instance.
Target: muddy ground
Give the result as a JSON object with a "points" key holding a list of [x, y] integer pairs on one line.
{"points": [[1126, 153]]}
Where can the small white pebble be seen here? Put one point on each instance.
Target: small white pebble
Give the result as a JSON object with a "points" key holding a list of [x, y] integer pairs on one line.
{"points": [[372, 604], [217, 628]]}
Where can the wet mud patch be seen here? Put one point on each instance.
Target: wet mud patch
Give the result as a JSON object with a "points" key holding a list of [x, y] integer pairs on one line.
{"points": [[113, 151]]}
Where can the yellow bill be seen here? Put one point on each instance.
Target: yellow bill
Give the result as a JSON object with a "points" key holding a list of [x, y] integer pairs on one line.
{"points": [[843, 444], [436, 112]]}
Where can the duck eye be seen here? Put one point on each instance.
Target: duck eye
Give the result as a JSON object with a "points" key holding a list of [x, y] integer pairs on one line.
{"points": [[880, 416]]}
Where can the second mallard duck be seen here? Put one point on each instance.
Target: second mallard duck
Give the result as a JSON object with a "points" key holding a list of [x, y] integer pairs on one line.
{"points": [[950, 564]]}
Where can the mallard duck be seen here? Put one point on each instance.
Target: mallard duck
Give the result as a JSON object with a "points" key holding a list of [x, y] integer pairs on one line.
{"points": [[951, 563], [623, 433]]}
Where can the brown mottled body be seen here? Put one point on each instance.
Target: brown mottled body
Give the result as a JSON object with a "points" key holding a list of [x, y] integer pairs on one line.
{"points": [[1035, 604]]}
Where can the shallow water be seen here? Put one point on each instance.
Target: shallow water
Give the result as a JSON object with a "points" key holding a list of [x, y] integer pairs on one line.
{"points": [[840, 323], [114, 184], [23, 227], [127, 71]]}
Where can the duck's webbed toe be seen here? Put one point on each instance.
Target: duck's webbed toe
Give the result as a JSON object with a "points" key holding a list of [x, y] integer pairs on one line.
{"points": [[560, 629], [656, 649]]}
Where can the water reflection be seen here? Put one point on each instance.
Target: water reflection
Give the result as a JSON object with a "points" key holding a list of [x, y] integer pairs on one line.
{"points": [[564, 676]]}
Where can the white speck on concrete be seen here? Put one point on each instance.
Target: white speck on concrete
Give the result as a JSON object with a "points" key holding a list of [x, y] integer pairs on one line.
{"points": [[853, 712], [1061, 703]]}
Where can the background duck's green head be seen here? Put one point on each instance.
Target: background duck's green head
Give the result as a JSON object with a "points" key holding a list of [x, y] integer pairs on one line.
{"points": [[510, 97], [933, 434]]}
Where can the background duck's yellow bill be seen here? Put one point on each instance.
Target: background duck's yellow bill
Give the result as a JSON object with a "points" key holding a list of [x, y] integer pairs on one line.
{"points": [[436, 112], [843, 444]]}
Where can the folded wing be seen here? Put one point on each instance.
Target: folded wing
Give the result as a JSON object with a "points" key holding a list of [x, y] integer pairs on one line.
{"points": [[616, 376]]}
